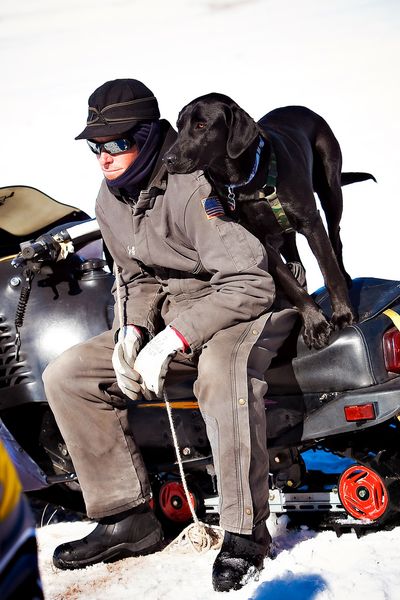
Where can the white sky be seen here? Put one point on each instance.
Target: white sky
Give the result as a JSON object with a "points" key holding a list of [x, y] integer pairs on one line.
{"points": [[339, 58]]}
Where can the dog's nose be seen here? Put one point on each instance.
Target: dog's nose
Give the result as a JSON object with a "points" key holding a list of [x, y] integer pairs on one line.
{"points": [[169, 159]]}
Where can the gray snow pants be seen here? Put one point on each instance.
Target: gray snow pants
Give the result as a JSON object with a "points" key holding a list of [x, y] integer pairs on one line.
{"points": [[230, 388]]}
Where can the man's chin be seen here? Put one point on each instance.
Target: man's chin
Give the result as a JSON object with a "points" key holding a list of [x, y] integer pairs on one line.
{"points": [[111, 175]]}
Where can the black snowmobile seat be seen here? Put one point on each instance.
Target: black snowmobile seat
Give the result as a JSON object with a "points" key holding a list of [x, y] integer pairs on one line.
{"points": [[344, 364]]}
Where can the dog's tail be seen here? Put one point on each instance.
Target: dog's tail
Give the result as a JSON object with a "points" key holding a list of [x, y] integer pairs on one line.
{"points": [[347, 178]]}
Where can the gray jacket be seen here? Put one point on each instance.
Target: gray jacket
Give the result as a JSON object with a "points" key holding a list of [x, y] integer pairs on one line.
{"points": [[183, 259]]}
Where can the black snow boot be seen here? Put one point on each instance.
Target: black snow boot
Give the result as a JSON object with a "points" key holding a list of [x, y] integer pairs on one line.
{"points": [[241, 558], [132, 533]]}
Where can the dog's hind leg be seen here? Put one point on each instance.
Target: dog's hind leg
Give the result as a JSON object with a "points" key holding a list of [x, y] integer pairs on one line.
{"points": [[327, 184]]}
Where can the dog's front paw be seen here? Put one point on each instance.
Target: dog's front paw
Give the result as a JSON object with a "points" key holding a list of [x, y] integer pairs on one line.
{"points": [[316, 330], [342, 318]]}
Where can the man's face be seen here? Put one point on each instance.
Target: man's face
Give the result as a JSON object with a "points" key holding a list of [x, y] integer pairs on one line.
{"points": [[115, 165]]}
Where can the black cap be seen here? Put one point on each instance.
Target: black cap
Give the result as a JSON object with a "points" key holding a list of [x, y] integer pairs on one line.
{"points": [[117, 106]]}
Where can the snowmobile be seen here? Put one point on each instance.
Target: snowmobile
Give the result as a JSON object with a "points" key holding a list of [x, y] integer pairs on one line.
{"points": [[343, 399]]}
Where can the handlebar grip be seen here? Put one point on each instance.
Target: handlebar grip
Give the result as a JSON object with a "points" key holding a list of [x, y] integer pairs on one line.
{"points": [[33, 250], [18, 261]]}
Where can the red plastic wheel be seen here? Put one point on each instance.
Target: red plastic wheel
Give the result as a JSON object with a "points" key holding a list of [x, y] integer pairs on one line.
{"points": [[363, 493], [173, 502]]}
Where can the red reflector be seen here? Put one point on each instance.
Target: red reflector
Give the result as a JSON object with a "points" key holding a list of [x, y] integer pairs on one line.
{"points": [[359, 412], [391, 350]]}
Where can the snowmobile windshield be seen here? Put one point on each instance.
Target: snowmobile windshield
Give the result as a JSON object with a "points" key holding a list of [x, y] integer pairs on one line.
{"points": [[26, 212]]}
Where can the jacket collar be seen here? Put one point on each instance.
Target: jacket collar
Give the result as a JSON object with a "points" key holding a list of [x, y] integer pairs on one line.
{"points": [[160, 173]]}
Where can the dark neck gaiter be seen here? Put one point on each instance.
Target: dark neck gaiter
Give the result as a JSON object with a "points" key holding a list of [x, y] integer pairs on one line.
{"points": [[147, 137]]}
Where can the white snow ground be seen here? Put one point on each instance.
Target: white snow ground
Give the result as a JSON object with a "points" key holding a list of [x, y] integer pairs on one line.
{"points": [[308, 566], [340, 58]]}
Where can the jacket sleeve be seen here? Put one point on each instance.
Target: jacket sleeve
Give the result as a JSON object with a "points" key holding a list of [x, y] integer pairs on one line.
{"points": [[242, 288], [139, 291]]}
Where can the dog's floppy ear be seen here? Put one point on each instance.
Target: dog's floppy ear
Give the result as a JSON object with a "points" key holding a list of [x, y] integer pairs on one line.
{"points": [[242, 132]]}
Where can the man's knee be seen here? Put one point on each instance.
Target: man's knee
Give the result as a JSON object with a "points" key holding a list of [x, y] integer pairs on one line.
{"points": [[214, 368], [217, 354], [61, 370]]}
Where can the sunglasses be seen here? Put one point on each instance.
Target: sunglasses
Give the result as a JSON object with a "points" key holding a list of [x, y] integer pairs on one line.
{"points": [[112, 147]]}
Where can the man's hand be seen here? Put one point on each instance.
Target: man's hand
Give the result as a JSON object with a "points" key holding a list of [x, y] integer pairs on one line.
{"points": [[125, 352], [153, 361]]}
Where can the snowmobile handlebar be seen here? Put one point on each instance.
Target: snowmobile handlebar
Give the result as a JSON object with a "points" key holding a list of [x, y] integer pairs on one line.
{"points": [[34, 250], [45, 248], [57, 243]]}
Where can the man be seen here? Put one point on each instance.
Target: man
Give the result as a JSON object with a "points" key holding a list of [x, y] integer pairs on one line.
{"points": [[194, 292]]}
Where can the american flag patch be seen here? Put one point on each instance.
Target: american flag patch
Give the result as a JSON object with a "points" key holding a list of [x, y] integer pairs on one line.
{"points": [[213, 207]]}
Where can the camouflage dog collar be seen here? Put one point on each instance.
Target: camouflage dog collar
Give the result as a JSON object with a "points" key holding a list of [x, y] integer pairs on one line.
{"points": [[273, 199]]}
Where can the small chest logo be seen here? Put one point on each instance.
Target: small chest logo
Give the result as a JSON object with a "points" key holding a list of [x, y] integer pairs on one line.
{"points": [[131, 251]]}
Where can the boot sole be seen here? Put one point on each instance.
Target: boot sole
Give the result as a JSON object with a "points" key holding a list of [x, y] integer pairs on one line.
{"points": [[147, 545], [222, 584]]}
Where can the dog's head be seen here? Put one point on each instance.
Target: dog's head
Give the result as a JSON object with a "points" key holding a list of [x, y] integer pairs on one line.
{"points": [[211, 130]]}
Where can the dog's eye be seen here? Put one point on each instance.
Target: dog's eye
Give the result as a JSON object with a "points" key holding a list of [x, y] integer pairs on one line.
{"points": [[200, 125]]}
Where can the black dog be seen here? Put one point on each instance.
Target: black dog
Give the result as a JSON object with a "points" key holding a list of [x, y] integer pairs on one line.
{"points": [[292, 151]]}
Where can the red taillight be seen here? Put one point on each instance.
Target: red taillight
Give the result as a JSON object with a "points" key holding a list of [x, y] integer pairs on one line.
{"points": [[391, 350], [360, 412]]}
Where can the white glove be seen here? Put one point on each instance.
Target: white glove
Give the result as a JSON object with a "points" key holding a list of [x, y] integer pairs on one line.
{"points": [[125, 352], [153, 361]]}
